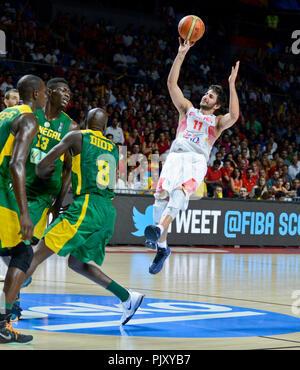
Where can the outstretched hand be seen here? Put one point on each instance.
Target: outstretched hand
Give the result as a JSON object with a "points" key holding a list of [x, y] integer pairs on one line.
{"points": [[185, 46], [234, 71]]}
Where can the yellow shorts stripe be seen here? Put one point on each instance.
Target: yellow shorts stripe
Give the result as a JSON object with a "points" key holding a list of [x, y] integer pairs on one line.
{"points": [[40, 227], [63, 231], [10, 228]]}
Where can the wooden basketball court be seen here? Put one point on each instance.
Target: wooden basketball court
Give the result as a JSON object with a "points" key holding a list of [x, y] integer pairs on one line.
{"points": [[253, 281]]}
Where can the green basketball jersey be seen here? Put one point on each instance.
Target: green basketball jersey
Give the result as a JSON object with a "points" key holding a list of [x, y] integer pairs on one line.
{"points": [[94, 169], [7, 116], [50, 134]]}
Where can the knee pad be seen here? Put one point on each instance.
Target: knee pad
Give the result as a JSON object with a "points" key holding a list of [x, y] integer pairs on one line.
{"points": [[158, 208], [21, 257]]}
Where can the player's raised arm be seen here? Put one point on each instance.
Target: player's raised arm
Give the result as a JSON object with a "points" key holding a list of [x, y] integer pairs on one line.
{"points": [[66, 178], [230, 118], [181, 103]]}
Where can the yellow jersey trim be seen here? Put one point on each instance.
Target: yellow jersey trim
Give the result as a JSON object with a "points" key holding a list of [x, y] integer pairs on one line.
{"points": [[8, 148], [24, 108], [76, 168], [97, 133]]}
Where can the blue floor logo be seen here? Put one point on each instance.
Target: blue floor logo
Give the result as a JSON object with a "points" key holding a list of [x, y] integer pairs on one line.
{"points": [[92, 314]]}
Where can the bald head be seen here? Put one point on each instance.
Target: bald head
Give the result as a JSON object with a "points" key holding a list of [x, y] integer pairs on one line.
{"points": [[97, 119], [32, 91], [27, 85]]}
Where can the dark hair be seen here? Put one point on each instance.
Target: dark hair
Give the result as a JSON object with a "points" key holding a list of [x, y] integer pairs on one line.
{"points": [[234, 175], [279, 194], [221, 96], [51, 84], [27, 85], [257, 192], [216, 161]]}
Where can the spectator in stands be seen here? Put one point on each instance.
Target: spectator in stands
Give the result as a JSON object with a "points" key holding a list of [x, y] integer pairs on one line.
{"points": [[217, 156], [277, 166], [284, 156], [284, 173], [149, 145], [134, 139], [278, 186], [235, 183], [218, 192], [233, 149], [272, 180], [296, 186], [82, 120], [7, 84], [242, 165], [290, 192], [162, 143], [254, 123], [226, 171], [243, 193], [294, 167], [116, 132], [271, 145], [51, 57], [213, 177], [245, 156], [261, 185], [248, 179], [225, 141], [120, 60]]}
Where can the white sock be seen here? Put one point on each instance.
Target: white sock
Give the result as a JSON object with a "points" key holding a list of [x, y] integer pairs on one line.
{"points": [[162, 244]]}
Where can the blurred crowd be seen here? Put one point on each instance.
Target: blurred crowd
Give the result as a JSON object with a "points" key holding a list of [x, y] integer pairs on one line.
{"points": [[124, 70]]}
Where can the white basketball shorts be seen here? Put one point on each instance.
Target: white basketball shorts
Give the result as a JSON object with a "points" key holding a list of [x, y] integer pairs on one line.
{"points": [[181, 170]]}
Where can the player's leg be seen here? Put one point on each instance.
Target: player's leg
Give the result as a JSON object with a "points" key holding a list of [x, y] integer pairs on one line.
{"points": [[21, 257], [184, 173], [83, 232], [38, 210], [158, 234], [40, 253], [130, 300], [159, 207], [161, 198]]}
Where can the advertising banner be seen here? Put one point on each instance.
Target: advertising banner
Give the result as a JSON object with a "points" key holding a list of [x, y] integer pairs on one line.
{"points": [[217, 222]]}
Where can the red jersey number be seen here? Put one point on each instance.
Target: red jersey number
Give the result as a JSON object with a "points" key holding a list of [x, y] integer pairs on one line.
{"points": [[197, 125]]}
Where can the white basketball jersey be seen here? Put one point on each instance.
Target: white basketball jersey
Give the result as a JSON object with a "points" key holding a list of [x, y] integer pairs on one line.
{"points": [[195, 133]]}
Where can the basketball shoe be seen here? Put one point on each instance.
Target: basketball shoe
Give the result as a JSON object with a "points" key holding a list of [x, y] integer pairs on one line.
{"points": [[152, 234], [130, 306], [9, 335], [157, 264]]}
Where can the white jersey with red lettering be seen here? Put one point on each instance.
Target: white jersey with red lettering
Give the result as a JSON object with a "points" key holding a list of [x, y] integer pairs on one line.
{"points": [[195, 133]]}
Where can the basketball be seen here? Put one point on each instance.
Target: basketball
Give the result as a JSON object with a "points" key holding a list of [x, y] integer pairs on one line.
{"points": [[191, 28]]}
